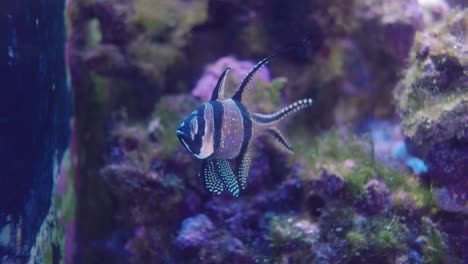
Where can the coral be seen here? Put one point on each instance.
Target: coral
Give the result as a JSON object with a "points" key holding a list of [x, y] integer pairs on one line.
{"points": [[335, 151], [434, 86], [194, 232], [432, 100], [134, 46], [289, 232], [376, 198], [395, 23], [176, 16], [345, 196]]}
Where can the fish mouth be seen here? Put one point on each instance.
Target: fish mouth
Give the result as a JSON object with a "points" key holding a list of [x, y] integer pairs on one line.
{"points": [[179, 133]]}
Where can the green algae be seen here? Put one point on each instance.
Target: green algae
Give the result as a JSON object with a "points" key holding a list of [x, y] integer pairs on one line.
{"points": [[153, 58], [357, 240], [266, 97], [157, 17], [378, 234], [94, 36], [287, 230], [432, 96], [435, 243], [333, 150]]}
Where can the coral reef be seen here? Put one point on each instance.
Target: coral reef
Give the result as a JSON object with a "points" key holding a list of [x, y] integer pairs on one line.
{"points": [[337, 204], [432, 100], [371, 189]]}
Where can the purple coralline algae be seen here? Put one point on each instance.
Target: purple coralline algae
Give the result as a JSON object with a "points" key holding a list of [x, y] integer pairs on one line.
{"points": [[194, 232], [376, 198], [239, 69]]}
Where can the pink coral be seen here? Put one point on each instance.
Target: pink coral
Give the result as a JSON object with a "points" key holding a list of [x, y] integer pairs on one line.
{"points": [[239, 69]]}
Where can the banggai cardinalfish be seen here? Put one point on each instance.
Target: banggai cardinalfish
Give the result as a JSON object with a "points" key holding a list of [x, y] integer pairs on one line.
{"points": [[223, 129]]}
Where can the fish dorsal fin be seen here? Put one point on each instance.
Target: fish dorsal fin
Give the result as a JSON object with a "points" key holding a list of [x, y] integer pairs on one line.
{"points": [[218, 92], [243, 87], [210, 178]]}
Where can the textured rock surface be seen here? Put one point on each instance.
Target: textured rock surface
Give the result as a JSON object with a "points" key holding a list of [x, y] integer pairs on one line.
{"points": [[432, 100]]}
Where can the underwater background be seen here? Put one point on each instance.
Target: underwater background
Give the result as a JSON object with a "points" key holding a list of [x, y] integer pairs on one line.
{"points": [[93, 91]]}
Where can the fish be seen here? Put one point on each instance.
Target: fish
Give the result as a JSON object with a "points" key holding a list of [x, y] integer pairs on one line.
{"points": [[222, 131]]}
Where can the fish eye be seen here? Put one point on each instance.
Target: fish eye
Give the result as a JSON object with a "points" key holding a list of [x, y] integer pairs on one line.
{"points": [[194, 126]]}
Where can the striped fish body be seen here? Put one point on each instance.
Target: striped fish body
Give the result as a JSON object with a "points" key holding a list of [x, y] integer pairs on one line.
{"points": [[220, 133], [236, 130]]}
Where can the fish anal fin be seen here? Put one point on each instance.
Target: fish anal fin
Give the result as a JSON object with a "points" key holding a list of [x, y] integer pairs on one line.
{"points": [[210, 178], [244, 162], [278, 136], [218, 91]]}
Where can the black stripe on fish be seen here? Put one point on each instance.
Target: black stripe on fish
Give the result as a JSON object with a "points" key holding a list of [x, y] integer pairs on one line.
{"points": [[243, 160], [218, 111], [247, 122], [275, 117], [239, 95], [218, 91]]}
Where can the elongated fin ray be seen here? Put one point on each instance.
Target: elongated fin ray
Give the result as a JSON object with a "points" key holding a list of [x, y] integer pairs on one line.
{"points": [[288, 110], [239, 95], [223, 169], [244, 161], [218, 92], [280, 138], [243, 87], [210, 178]]}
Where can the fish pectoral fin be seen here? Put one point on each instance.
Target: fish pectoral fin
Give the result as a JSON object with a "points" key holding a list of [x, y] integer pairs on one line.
{"points": [[218, 91], [210, 178], [281, 139], [244, 162], [223, 169]]}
